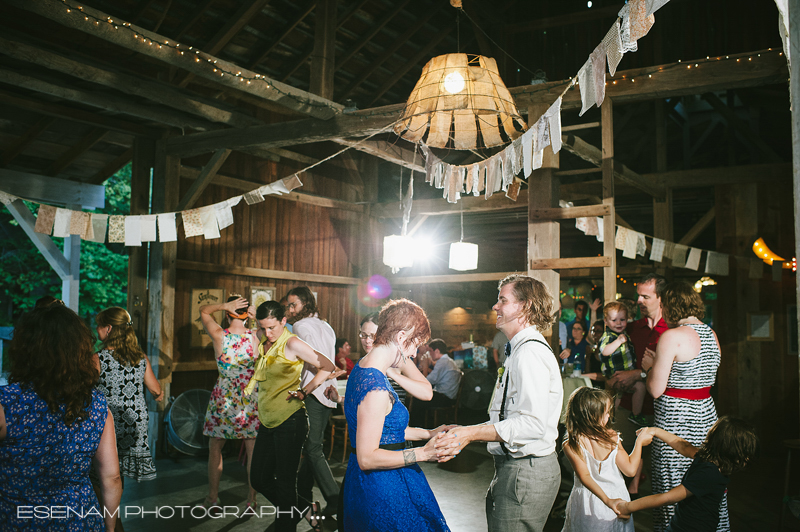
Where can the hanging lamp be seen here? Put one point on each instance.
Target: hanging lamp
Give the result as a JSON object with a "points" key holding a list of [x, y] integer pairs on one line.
{"points": [[463, 255], [464, 94]]}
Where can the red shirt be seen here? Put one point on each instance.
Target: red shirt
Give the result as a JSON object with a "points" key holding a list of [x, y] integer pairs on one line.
{"points": [[643, 337]]}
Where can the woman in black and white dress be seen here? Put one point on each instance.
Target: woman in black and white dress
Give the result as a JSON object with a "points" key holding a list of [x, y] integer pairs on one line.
{"points": [[680, 377]]}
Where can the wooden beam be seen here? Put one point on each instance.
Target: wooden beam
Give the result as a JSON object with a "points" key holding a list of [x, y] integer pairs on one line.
{"points": [[591, 154], [723, 175], [607, 163], [669, 80], [374, 29], [570, 263], [576, 127], [25, 140], [134, 85], [300, 197], [580, 171], [470, 204], [111, 168], [205, 177], [559, 213], [290, 97], [701, 225], [278, 135], [230, 269], [223, 36], [388, 151], [54, 257], [324, 56], [73, 153], [45, 189], [456, 278], [739, 125], [113, 104], [580, 17], [84, 117]]}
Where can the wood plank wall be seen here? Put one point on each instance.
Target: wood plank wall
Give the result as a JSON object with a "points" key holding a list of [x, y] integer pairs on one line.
{"points": [[278, 235]]}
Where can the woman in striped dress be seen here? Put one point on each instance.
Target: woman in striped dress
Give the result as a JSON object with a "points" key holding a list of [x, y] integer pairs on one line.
{"points": [[680, 377]]}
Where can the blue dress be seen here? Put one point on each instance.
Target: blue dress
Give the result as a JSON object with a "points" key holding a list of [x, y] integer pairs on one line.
{"points": [[45, 463], [391, 499]]}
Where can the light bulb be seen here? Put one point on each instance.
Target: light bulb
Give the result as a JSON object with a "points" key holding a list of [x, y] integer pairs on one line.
{"points": [[454, 83]]}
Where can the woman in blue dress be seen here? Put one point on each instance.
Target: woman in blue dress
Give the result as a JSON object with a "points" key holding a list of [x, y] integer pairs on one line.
{"points": [[384, 488], [54, 425]]}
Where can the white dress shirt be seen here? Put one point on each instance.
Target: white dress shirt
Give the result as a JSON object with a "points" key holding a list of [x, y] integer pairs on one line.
{"points": [[320, 336], [534, 399]]}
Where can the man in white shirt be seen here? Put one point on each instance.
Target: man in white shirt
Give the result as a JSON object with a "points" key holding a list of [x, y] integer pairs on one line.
{"points": [[523, 417], [302, 312]]}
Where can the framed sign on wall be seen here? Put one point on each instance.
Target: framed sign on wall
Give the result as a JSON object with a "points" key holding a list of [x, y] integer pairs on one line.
{"points": [[201, 297]]}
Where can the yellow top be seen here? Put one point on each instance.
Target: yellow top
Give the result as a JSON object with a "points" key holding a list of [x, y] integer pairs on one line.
{"points": [[278, 377]]}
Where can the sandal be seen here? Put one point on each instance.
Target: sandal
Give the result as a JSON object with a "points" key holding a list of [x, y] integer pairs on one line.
{"points": [[250, 505], [314, 518], [210, 503]]}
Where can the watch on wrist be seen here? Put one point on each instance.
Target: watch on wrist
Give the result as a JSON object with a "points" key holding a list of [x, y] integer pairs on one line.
{"points": [[644, 375]]}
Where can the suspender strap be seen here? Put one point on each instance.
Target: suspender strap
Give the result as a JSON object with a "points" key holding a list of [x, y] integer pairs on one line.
{"points": [[505, 388]]}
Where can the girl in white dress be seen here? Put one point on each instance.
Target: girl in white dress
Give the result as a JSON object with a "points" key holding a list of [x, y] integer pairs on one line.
{"points": [[599, 461]]}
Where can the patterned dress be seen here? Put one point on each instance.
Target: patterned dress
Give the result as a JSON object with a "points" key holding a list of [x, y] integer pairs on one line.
{"points": [[44, 462], [687, 418], [123, 387], [391, 499], [231, 414]]}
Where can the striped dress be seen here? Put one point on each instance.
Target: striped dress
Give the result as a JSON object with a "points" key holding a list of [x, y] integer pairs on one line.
{"points": [[689, 419]]}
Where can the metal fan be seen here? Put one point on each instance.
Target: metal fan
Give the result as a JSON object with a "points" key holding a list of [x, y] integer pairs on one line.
{"points": [[185, 422], [476, 390]]}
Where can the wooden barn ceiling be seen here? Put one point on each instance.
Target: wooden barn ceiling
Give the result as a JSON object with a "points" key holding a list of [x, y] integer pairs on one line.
{"points": [[73, 100]]}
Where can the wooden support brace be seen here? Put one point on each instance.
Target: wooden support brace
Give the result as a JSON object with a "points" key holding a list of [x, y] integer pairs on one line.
{"points": [[559, 213], [570, 263], [204, 179]]}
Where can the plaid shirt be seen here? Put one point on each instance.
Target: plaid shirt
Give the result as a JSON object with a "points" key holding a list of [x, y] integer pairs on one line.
{"points": [[621, 359]]}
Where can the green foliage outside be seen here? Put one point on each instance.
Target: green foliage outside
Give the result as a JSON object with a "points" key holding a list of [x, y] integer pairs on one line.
{"points": [[25, 275]]}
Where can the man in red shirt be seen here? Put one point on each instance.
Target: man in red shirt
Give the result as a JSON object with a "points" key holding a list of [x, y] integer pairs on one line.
{"points": [[644, 334]]}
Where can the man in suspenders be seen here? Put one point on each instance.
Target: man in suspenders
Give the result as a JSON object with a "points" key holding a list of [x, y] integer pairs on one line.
{"points": [[524, 413]]}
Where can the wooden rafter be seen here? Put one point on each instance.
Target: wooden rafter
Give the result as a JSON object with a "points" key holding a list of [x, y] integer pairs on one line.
{"points": [[78, 115], [563, 20], [133, 85], [398, 42], [411, 63], [739, 125], [25, 140], [111, 168], [201, 10], [207, 174], [375, 28], [228, 31], [141, 11], [289, 29], [163, 15], [289, 97], [387, 151], [701, 225], [72, 154]]}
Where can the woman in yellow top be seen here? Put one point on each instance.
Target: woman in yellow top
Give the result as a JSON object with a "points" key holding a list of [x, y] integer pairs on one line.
{"points": [[284, 423]]}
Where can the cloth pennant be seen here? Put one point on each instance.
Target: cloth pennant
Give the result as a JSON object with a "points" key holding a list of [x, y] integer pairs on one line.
{"points": [[631, 240], [640, 21], [613, 44], [44, 219], [224, 215], [628, 45], [582, 224], [439, 177], [133, 231], [527, 151], [693, 261], [554, 121], [587, 86], [508, 165], [655, 5], [429, 161], [88, 228], [167, 230], [291, 183], [679, 256], [251, 198], [116, 229], [598, 59], [62, 222], [513, 190], [208, 217], [99, 224], [716, 263], [148, 224], [592, 228], [6, 198], [657, 250], [641, 244], [599, 228], [192, 224], [516, 154], [622, 237], [669, 250], [77, 223]]}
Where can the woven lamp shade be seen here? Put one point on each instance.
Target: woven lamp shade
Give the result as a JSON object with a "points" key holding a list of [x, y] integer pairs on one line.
{"points": [[462, 93]]}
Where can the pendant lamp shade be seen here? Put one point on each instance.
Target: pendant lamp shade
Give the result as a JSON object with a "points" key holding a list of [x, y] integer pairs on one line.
{"points": [[462, 93], [463, 256], [398, 252]]}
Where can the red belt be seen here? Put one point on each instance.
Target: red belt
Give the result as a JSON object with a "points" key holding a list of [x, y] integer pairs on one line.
{"points": [[693, 394]]}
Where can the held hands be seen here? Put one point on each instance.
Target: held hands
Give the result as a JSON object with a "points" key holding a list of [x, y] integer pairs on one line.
{"points": [[620, 507], [442, 429], [646, 434], [452, 442]]}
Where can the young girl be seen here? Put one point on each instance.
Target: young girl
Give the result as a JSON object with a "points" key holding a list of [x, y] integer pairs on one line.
{"points": [[599, 461], [730, 444]]}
